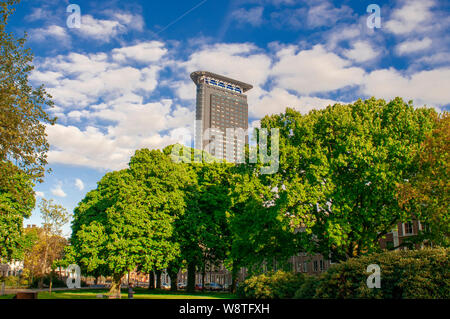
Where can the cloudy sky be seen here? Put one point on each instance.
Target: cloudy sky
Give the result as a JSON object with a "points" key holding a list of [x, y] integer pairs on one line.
{"points": [[121, 81]]}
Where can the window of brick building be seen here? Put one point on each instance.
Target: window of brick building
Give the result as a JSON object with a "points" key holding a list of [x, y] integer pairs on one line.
{"points": [[408, 227]]}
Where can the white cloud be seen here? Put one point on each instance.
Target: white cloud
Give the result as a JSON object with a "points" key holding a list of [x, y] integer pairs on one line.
{"points": [[325, 14], [314, 70], [412, 16], [58, 191], [90, 77], [277, 100], [143, 52], [79, 184], [135, 126], [100, 29], [252, 16], [185, 90], [132, 21], [313, 14], [424, 87], [437, 58], [413, 46], [38, 14], [337, 35], [48, 33], [361, 51]]}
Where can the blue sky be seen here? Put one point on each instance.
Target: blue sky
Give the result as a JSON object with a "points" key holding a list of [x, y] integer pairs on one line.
{"points": [[121, 81]]}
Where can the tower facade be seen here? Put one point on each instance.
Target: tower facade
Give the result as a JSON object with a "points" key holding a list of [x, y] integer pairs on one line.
{"points": [[221, 115]]}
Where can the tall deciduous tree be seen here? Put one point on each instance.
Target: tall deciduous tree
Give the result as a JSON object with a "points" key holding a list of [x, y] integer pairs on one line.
{"points": [[46, 249], [54, 217], [22, 108], [163, 182], [23, 144], [426, 194], [127, 222], [261, 233], [16, 203], [203, 232], [339, 168]]}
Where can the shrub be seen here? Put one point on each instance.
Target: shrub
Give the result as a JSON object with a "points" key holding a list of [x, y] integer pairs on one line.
{"points": [[308, 289], [56, 282], [278, 285], [404, 274], [12, 281]]}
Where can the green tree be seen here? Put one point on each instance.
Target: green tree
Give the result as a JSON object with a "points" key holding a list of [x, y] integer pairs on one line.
{"points": [[163, 182], [203, 232], [426, 194], [23, 144], [16, 203], [54, 217], [127, 222], [339, 168], [109, 241], [22, 108]]}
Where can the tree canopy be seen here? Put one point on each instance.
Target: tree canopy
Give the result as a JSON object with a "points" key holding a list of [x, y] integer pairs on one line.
{"points": [[339, 168], [426, 195], [23, 143], [127, 222]]}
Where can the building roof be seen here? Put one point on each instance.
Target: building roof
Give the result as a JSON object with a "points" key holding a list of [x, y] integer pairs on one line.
{"points": [[195, 76]]}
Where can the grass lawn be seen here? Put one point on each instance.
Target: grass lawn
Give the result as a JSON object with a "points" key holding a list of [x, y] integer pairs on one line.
{"points": [[140, 293]]}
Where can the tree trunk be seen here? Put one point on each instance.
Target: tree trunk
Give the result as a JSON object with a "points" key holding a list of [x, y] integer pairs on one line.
{"points": [[44, 263], [158, 279], [191, 277], [151, 280], [41, 282], [203, 278], [173, 274], [51, 282], [234, 274], [115, 286]]}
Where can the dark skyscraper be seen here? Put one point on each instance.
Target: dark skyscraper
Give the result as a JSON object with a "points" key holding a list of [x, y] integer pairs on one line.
{"points": [[221, 115]]}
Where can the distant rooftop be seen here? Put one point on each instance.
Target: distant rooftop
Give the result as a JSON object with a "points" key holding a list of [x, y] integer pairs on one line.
{"points": [[197, 75]]}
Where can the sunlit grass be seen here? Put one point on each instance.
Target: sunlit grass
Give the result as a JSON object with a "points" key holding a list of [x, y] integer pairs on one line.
{"points": [[139, 294]]}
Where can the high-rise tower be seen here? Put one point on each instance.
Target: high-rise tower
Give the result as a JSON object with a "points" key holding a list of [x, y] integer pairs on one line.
{"points": [[221, 115]]}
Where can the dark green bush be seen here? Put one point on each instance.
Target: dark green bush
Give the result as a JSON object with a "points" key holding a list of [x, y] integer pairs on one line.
{"points": [[404, 274], [308, 289], [278, 285], [56, 282]]}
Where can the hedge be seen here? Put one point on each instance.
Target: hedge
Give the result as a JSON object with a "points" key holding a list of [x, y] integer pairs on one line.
{"points": [[278, 285], [308, 289], [421, 274]]}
